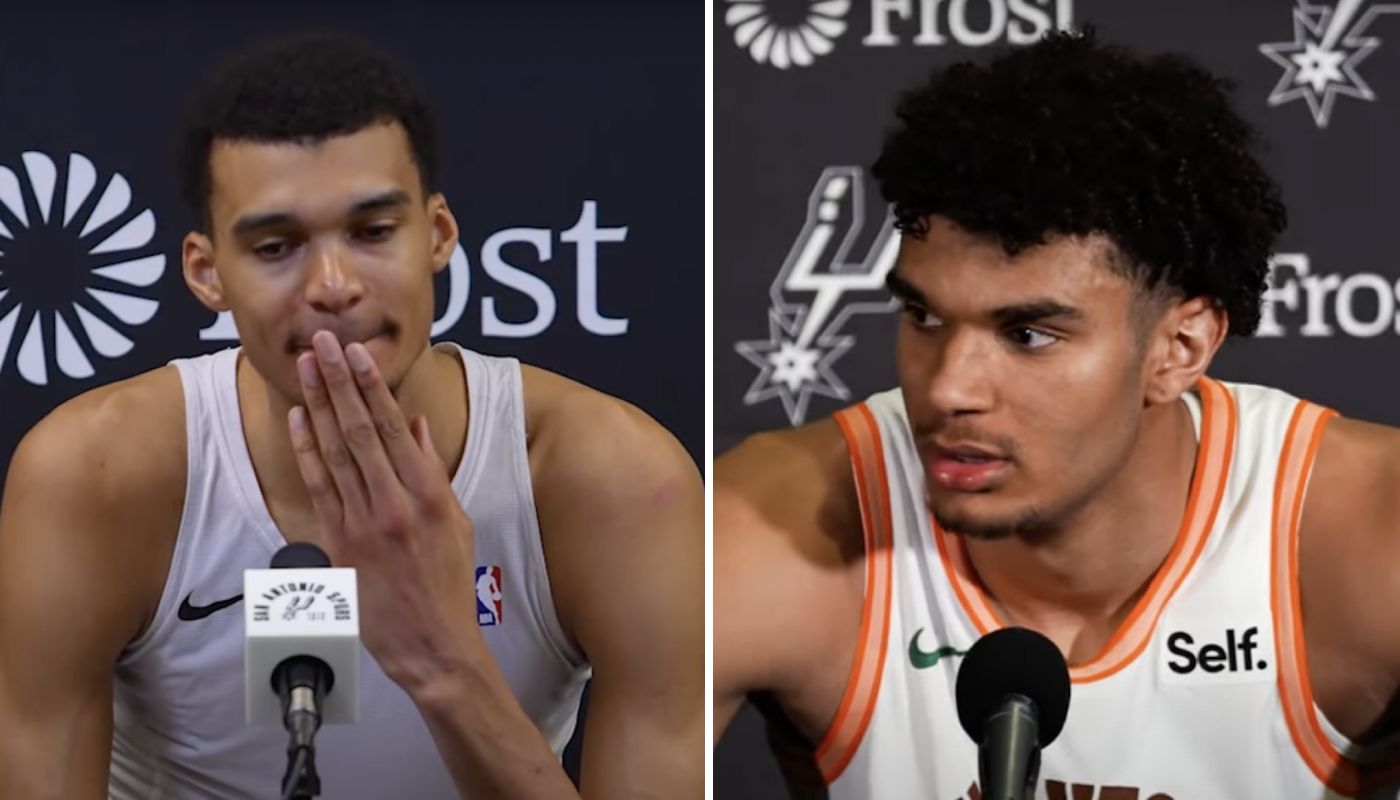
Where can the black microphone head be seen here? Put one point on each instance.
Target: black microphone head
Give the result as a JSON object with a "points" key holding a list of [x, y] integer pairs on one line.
{"points": [[300, 555], [1013, 661]]}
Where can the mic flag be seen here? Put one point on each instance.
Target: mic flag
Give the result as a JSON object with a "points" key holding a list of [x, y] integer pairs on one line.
{"points": [[300, 607]]}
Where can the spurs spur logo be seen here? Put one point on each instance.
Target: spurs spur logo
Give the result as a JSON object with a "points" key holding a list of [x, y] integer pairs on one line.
{"points": [[819, 287], [1320, 63]]}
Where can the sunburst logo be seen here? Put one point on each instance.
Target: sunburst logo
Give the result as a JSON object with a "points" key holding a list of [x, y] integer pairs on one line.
{"points": [[787, 34], [69, 285]]}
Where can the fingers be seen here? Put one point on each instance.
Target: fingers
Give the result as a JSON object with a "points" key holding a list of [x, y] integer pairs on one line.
{"points": [[334, 450], [399, 441], [365, 435], [325, 500]]}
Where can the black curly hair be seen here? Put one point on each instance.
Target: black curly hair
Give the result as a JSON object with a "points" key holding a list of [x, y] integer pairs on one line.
{"points": [[1071, 137], [303, 89]]}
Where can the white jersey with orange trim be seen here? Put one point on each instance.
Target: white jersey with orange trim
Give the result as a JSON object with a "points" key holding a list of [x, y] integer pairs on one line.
{"points": [[179, 727], [1201, 693]]}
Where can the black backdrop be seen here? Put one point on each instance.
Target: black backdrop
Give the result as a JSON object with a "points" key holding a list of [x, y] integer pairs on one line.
{"points": [[793, 344], [544, 110]]}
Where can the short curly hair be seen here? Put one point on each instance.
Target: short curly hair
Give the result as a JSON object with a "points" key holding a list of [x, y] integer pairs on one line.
{"points": [[302, 89], [1073, 137]]}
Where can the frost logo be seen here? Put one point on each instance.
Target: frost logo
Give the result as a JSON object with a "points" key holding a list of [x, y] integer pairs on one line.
{"points": [[67, 284], [1312, 303], [791, 33], [818, 288], [968, 23], [1320, 63]]}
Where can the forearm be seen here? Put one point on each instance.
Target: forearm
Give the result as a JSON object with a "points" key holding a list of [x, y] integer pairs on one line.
{"points": [[490, 746]]}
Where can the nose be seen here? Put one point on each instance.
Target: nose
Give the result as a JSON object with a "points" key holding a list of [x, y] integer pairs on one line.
{"points": [[333, 284], [960, 381]]}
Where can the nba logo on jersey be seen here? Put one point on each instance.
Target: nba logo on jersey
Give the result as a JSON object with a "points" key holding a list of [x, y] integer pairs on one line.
{"points": [[488, 595]]}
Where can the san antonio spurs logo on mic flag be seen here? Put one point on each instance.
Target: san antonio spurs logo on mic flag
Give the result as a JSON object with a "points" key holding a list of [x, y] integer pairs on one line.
{"points": [[1329, 43], [818, 288]]}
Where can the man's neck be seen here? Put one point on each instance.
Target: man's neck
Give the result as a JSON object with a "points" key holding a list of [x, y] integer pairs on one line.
{"points": [[1077, 582], [433, 387]]}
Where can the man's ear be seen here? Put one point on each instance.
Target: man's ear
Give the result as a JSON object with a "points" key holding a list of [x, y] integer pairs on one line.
{"points": [[1182, 346], [197, 262], [444, 231]]}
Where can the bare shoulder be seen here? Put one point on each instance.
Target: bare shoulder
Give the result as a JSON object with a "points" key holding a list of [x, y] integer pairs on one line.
{"points": [[1352, 508], [117, 441], [788, 557], [100, 481], [590, 447], [794, 484]]}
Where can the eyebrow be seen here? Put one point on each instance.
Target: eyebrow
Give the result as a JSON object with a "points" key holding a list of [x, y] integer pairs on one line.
{"points": [[1036, 310], [903, 289], [252, 223]]}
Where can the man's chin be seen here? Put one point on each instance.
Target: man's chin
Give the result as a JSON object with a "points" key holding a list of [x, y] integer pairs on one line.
{"points": [[959, 516], [974, 528]]}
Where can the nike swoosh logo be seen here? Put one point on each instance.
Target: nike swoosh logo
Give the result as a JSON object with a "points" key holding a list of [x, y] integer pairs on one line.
{"points": [[923, 659], [192, 612]]}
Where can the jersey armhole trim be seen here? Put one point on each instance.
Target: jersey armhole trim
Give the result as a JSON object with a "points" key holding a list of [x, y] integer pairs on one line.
{"points": [[195, 412], [1327, 763], [843, 738]]}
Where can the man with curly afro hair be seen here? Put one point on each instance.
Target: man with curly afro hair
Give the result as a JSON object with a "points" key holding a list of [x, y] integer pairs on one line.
{"points": [[448, 479], [1082, 227]]}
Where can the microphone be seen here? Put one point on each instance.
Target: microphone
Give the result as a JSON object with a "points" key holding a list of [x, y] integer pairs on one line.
{"points": [[301, 652], [1013, 697]]}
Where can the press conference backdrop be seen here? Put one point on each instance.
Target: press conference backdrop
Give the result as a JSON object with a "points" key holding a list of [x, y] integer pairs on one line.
{"points": [[804, 91], [572, 153], [571, 138]]}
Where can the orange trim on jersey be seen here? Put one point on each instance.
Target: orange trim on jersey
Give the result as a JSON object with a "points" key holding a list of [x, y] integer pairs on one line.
{"points": [[847, 729], [1330, 766], [1213, 458]]}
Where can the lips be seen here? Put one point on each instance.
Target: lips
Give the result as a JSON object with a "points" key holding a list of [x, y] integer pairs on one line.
{"points": [[301, 344], [965, 467]]}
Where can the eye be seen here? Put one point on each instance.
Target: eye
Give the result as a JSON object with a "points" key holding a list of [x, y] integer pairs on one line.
{"points": [[375, 233], [1030, 338], [273, 250], [921, 317]]}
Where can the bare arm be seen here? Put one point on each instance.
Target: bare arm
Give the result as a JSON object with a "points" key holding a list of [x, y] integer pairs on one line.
{"points": [[787, 571], [622, 517], [620, 508], [73, 591], [742, 659], [1349, 544], [610, 492]]}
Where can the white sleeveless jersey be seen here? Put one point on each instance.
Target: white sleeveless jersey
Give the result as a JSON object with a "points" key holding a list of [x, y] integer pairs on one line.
{"points": [[1201, 694], [179, 711]]}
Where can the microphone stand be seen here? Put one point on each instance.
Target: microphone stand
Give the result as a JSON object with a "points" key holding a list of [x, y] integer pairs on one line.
{"points": [[1010, 774], [301, 781], [302, 684]]}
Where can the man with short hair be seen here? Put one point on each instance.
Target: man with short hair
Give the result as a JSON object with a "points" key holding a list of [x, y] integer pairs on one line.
{"points": [[1082, 227], [131, 512]]}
